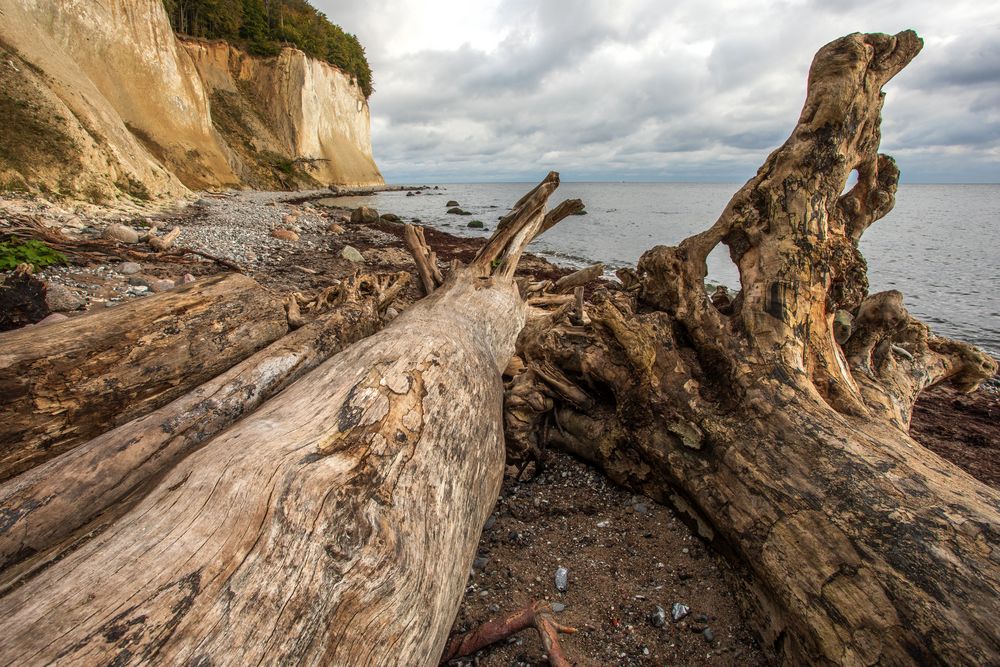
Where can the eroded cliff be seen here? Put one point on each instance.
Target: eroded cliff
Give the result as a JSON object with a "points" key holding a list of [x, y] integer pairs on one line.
{"points": [[101, 100]]}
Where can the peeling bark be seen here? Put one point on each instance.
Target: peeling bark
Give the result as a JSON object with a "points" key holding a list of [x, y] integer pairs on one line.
{"points": [[786, 449], [83, 376]]}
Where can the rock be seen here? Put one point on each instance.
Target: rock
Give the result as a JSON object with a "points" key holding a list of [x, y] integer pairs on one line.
{"points": [[352, 254], [451, 202], [708, 635], [334, 228], [391, 314], [558, 607], [203, 202], [390, 217], [490, 520], [364, 214], [457, 211], [138, 289], [603, 524], [580, 213], [480, 563], [290, 219], [138, 281], [640, 508], [409, 194], [61, 299], [52, 319], [562, 579], [476, 224], [120, 232], [679, 611], [129, 268], [188, 278], [658, 618], [161, 285], [285, 235]]}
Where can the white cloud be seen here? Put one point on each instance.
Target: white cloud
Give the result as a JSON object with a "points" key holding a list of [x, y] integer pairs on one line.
{"points": [[688, 90]]}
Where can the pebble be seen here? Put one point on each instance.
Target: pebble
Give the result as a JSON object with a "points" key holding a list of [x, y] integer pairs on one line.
{"points": [[161, 285], [640, 508], [480, 563], [187, 278], [138, 289], [562, 579], [334, 228], [679, 611], [352, 254], [137, 280], [285, 235], [129, 268], [708, 635], [491, 519], [120, 232], [658, 618], [558, 607]]}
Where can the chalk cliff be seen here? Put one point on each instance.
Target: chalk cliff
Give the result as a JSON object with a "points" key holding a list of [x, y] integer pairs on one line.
{"points": [[101, 100]]}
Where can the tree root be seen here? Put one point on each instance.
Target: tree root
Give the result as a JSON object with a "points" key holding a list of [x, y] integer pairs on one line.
{"points": [[537, 614]]}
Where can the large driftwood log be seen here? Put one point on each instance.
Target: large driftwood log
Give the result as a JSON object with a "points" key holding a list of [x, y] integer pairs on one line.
{"points": [[62, 385], [334, 525], [47, 510], [789, 451]]}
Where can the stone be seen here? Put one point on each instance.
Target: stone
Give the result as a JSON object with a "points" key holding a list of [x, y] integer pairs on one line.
{"points": [[138, 289], [187, 278], [364, 214], [562, 579], [61, 299], [129, 268], [289, 219], [334, 228], [352, 254], [658, 618], [708, 635], [285, 235], [451, 202], [640, 508], [476, 224], [679, 611], [457, 211], [480, 563], [390, 217], [51, 319], [490, 522], [120, 232], [138, 281], [161, 285], [558, 607]]}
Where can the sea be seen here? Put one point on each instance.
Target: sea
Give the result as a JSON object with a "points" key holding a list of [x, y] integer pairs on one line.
{"points": [[940, 246]]}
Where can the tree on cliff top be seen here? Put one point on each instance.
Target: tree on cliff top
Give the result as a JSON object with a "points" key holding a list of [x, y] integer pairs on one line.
{"points": [[264, 26]]}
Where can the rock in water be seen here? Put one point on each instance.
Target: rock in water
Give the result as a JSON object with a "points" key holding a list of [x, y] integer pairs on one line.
{"points": [[285, 235], [476, 224], [390, 217], [451, 202], [61, 299], [352, 254], [120, 232], [562, 579], [364, 214]]}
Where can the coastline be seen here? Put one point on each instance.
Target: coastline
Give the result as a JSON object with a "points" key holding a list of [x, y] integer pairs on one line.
{"points": [[618, 574]]}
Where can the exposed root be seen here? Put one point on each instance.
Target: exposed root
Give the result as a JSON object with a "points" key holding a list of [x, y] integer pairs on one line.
{"points": [[425, 258], [538, 615]]}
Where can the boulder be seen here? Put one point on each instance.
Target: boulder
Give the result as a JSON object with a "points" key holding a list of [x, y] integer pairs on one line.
{"points": [[454, 210], [364, 214], [390, 217], [451, 202], [120, 232], [476, 224]]}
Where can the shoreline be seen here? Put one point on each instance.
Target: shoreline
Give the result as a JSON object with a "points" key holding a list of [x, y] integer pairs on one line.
{"points": [[626, 554]]}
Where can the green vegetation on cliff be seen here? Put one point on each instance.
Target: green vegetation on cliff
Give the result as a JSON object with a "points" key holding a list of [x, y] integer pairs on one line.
{"points": [[262, 27]]}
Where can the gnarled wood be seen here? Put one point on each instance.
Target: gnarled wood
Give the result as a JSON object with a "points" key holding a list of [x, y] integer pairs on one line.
{"points": [[99, 480], [787, 450], [63, 385], [334, 525]]}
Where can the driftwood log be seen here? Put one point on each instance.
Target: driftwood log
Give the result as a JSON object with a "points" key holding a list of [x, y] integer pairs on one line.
{"points": [[334, 525], [788, 450], [49, 509], [68, 382]]}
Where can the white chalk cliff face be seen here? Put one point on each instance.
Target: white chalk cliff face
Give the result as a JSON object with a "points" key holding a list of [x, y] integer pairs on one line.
{"points": [[100, 99]]}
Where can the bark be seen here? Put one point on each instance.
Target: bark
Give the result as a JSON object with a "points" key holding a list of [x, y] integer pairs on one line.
{"points": [[49, 509], [333, 525], [91, 373], [786, 450]]}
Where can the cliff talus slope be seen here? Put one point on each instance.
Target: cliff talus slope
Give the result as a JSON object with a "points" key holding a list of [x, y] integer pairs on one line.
{"points": [[101, 100]]}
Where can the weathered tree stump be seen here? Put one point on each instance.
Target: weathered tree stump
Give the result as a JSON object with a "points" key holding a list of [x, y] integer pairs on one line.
{"points": [[787, 450]]}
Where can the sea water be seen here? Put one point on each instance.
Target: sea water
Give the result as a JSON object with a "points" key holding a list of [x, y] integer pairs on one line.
{"points": [[940, 246]]}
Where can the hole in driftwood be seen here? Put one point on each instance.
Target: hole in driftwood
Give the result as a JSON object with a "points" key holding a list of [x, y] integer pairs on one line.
{"points": [[852, 180]]}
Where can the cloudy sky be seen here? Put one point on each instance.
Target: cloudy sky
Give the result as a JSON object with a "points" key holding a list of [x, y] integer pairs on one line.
{"points": [[685, 90]]}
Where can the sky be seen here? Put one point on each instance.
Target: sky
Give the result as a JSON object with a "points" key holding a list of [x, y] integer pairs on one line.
{"points": [[654, 90]]}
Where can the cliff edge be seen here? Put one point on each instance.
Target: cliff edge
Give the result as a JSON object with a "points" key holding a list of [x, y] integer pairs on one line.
{"points": [[102, 101]]}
